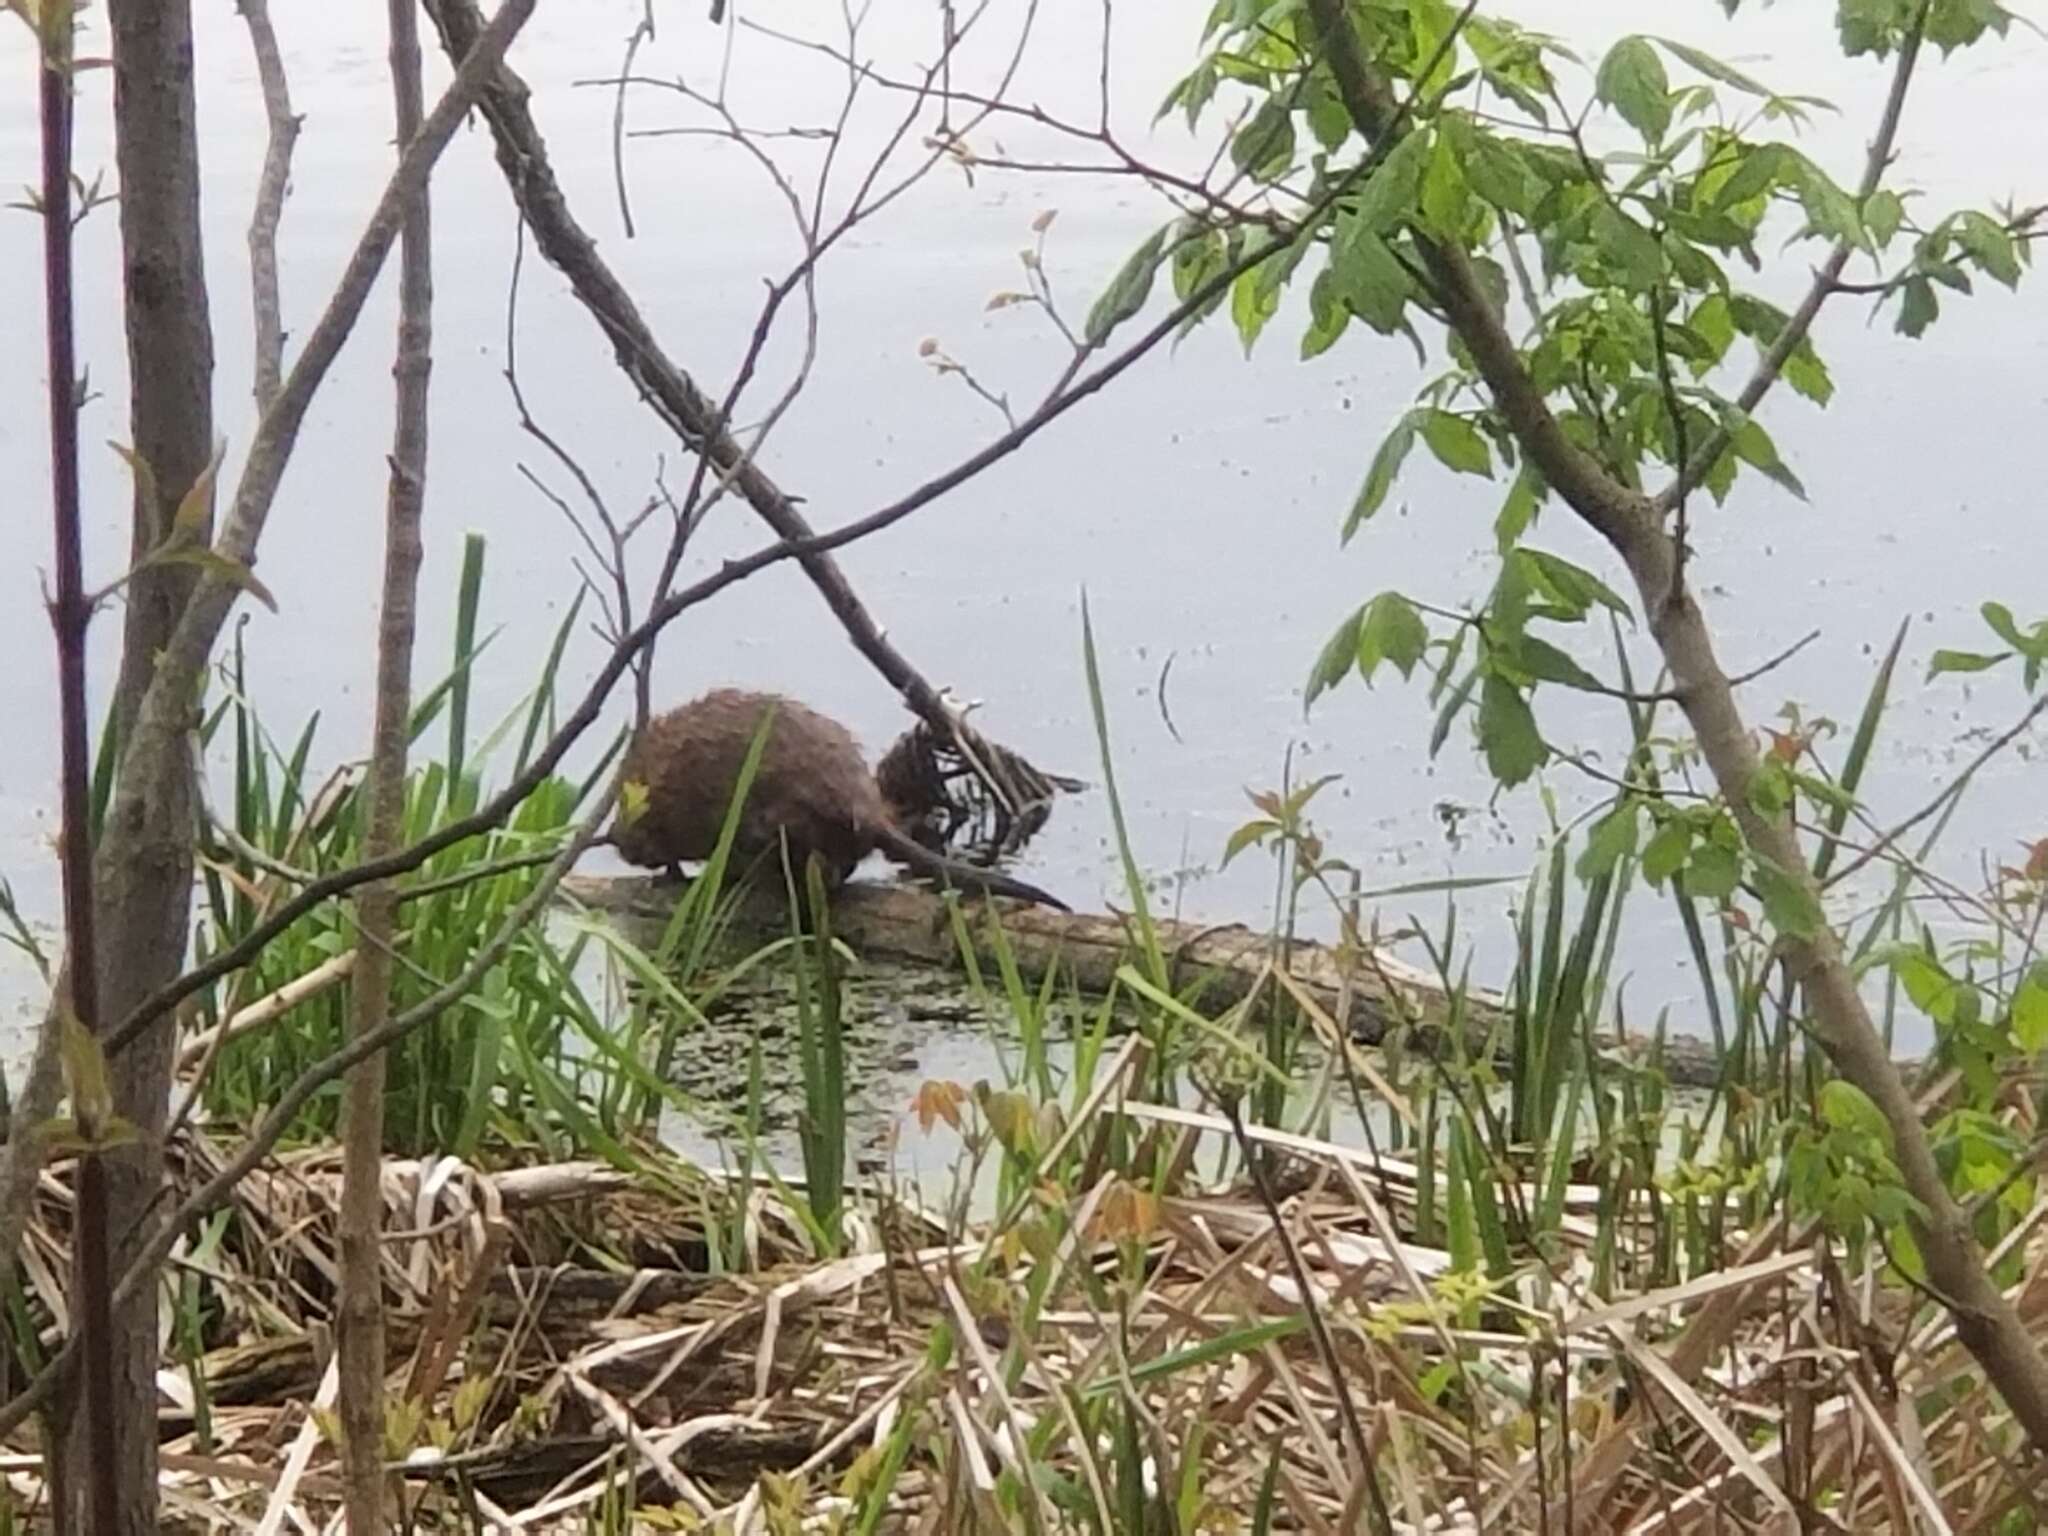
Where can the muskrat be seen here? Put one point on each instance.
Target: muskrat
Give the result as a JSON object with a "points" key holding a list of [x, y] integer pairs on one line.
{"points": [[812, 788]]}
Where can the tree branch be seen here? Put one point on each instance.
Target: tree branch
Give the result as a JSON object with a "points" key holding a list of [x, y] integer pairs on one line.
{"points": [[1825, 278], [688, 411], [270, 193], [360, 1317], [166, 708], [501, 805]]}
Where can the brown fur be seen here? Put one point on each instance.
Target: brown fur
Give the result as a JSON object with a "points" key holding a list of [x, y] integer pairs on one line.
{"points": [[812, 788]]}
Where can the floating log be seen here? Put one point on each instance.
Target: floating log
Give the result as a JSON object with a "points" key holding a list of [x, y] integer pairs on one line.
{"points": [[911, 923]]}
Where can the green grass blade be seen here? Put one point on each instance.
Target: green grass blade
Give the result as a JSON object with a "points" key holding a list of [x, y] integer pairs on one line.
{"points": [[468, 595], [1860, 745], [542, 709]]}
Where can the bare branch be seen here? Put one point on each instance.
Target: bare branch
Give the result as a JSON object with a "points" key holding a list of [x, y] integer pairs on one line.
{"points": [[687, 410], [271, 187], [502, 804], [643, 31], [359, 1333]]}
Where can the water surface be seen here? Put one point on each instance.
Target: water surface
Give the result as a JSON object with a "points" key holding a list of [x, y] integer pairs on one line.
{"points": [[1196, 502]]}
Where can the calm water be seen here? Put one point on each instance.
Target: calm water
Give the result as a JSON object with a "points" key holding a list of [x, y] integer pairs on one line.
{"points": [[1197, 501]]}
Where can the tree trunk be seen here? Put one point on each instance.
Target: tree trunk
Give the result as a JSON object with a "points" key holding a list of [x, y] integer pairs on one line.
{"points": [[144, 896], [361, 1333], [170, 335]]}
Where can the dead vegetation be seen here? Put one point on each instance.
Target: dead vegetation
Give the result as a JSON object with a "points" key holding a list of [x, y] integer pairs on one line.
{"points": [[1119, 1346]]}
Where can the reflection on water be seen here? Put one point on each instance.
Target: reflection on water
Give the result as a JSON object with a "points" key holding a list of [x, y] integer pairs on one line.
{"points": [[1196, 501]]}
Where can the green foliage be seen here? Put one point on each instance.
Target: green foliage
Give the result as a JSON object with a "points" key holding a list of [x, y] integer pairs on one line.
{"points": [[1387, 629], [1631, 308], [2030, 645], [1840, 1167], [1633, 82], [469, 1076], [1127, 291]]}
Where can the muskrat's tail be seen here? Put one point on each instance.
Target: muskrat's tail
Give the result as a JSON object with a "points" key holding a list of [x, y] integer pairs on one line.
{"points": [[988, 881]]}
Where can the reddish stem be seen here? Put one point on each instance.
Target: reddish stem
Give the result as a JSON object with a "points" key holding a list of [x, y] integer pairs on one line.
{"points": [[70, 613]]}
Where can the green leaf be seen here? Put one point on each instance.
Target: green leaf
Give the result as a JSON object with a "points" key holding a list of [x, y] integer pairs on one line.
{"points": [[1632, 81], [1711, 322], [1918, 307], [2003, 625], [1496, 171], [1756, 318], [1368, 276], [1946, 273], [1570, 585], [65, 1137], [1386, 467], [1612, 839], [1444, 194], [1991, 246], [1192, 92], [1507, 732], [1245, 836], [1545, 663], [1883, 213], [1328, 119], [1712, 873], [1338, 656], [1327, 316], [1848, 1108], [1127, 292], [1456, 443], [195, 507], [1629, 248], [1759, 169], [2030, 1010], [1252, 304], [85, 1072], [1452, 707], [1197, 264], [215, 564], [1753, 445], [1517, 512], [1953, 24], [1770, 791], [1831, 211], [1196, 261], [1807, 374], [1963, 661], [1388, 196], [1665, 853], [138, 466], [1713, 68], [1788, 901], [1392, 632], [1264, 146]]}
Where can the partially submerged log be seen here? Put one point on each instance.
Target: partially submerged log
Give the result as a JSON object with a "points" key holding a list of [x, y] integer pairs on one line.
{"points": [[1376, 999]]}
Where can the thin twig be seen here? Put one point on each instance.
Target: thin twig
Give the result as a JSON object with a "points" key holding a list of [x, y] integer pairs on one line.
{"points": [[1948, 791], [1788, 341], [643, 31]]}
